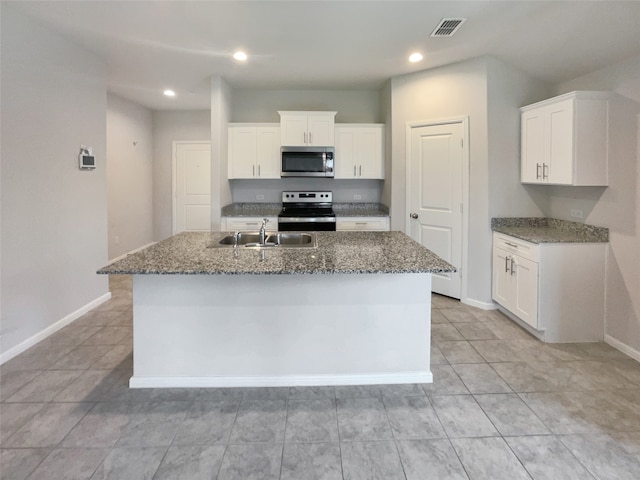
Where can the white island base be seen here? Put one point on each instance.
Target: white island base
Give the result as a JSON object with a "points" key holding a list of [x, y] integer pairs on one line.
{"points": [[281, 330]]}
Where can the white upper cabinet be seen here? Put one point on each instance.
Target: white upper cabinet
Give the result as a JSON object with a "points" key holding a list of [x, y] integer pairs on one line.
{"points": [[254, 151], [359, 151], [565, 140], [307, 129]]}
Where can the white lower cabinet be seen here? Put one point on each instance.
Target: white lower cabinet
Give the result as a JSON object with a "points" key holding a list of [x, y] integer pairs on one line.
{"points": [[247, 224], [372, 224], [557, 289]]}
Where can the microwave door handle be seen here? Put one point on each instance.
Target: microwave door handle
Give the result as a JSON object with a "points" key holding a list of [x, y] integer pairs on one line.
{"points": [[324, 162]]}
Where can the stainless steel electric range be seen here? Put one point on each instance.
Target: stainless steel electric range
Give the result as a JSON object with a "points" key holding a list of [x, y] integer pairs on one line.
{"points": [[307, 211]]}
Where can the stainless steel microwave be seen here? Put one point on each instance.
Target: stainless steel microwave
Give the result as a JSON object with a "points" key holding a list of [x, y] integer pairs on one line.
{"points": [[307, 162]]}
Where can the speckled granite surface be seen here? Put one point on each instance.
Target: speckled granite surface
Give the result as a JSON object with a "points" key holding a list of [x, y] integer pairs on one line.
{"points": [[251, 210], [337, 252], [360, 210], [549, 230], [273, 209]]}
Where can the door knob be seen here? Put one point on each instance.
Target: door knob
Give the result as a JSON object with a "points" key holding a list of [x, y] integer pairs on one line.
{"points": [[414, 215]]}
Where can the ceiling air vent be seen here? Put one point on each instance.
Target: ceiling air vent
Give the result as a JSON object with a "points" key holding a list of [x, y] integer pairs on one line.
{"points": [[447, 27]]}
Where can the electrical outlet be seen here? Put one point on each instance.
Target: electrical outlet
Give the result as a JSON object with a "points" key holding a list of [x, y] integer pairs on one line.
{"points": [[259, 197], [576, 213], [357, 197]]}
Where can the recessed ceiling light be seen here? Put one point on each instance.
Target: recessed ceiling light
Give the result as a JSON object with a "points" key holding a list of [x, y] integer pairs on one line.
{"points": [[240, 56], [169, 93], [415, 57]]}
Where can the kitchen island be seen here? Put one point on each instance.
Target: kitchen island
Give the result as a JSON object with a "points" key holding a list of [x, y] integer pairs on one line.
{"points": [[354, 310]]}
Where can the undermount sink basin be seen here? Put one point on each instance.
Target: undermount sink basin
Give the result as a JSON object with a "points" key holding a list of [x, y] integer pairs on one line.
{"points": [[272, 240]]}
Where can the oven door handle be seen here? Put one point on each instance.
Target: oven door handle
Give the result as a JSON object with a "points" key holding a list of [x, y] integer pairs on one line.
{"points": [[306, 219]]}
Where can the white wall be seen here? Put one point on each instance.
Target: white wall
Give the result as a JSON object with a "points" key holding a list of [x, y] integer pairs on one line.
{"points": [[616, 207], [169, 127], [129, 175], [54, 216]]}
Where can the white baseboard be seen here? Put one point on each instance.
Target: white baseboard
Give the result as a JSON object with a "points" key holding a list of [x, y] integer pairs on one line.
{"points": [[131, 252], [478, 304], [281, 381], [623, 347], [51, 329]]}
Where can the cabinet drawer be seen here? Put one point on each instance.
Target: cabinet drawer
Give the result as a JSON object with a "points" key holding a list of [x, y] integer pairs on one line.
{"points": [[247, 224], [376, 224], [522, 248]]}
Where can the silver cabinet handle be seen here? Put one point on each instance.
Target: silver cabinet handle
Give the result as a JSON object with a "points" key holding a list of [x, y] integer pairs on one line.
{"points": [[537, 171], [511, 244], [305, 137], [354, 170], [310, 139], [414, 215], [512, 270], [254, 170], [506, 263], [360, 170], [258, 170], [545, 171]]}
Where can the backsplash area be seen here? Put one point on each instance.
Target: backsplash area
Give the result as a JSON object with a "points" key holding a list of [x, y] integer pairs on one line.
{"points": [[344, 191]]}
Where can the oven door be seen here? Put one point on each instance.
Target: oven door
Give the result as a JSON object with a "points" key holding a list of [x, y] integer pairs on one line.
{"points": [[307, 224]]}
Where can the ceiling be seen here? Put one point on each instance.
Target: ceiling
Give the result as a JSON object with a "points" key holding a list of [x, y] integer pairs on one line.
{"points": [[153, 45]]}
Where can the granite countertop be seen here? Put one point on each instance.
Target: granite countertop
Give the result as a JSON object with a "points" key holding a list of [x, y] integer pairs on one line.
{"points": [[360, 210], [273, 209], [549, 230], [337, 252], [251, 210]]}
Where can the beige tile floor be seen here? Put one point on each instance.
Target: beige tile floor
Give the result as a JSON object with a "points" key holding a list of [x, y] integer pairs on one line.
{"points": [[502, 406]]}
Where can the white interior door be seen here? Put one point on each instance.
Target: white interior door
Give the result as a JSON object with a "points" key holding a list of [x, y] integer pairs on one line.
{"points": [[435, 196], [192, 187]]}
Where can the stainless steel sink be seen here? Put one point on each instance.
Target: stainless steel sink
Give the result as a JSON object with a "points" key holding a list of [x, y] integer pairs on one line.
{"points": [[243, 239], [272, 240], [293, 239]]}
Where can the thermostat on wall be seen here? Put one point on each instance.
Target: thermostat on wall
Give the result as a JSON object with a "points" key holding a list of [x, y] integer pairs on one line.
{"points": [[86, 160]]}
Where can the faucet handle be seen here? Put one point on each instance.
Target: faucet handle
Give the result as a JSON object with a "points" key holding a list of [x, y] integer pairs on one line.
{"points": [[265, 221], [236, 238]]}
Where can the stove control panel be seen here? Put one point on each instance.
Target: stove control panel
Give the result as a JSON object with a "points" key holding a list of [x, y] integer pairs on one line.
{"points": [[307, 197]]}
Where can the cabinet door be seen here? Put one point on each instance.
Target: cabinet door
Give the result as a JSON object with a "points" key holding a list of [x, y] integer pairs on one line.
{"points": [[370, 153], [293, 130], [534, 150], [559, 167], [345, 152], [242, 152], [525, 301], [268, 152], [321, 130], [502, 284]]}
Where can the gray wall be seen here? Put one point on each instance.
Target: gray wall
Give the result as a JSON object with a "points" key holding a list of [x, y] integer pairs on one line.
{"points": [[353, 106], [489, 93], [458, 90], [167, 128], [54, 216], [617, 206], [220, 119], [129, 175]]}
